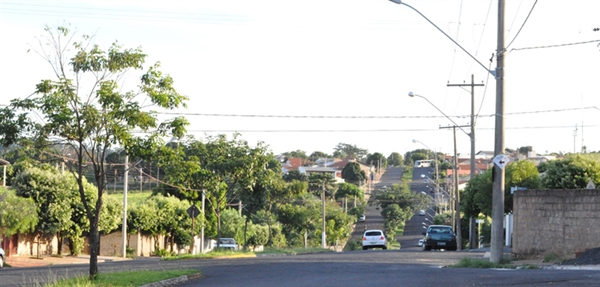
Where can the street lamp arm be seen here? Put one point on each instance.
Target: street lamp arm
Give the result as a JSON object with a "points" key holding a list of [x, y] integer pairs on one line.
{"points": [[411, 94], [434, 25]]}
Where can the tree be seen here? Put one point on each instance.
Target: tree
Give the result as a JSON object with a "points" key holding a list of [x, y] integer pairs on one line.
{"points": [[395, 159], [343, 150], [477, 196], [295, 175], [322, 182], [317, 155], [86, 108], [377, 160], [349, 190], [301, 216], [297, 154], [17, 214], [571, 172], [352, 173]]}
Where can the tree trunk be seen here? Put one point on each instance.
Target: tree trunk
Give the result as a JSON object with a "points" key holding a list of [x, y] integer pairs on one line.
{"points": [[94, 244]]}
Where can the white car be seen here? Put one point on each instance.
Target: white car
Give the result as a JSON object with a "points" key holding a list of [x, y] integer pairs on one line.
{"points": [[374, 239], [421, 212], [2, 257], [362, 217]]}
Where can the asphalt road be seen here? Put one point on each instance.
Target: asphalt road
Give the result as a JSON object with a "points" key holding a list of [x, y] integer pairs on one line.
{"points": [[354, 268], [374, 220]]}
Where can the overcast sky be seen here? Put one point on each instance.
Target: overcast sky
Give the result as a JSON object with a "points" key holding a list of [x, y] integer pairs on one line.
{"points": [[333, 71]]}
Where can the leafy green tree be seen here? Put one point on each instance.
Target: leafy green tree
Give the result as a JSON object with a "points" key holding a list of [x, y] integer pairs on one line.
{"points": [[295, 175], [343, 150], [377, 160], [352, 173], [300, 217], [322, 182], [220, 168], [399, 194], [85, 108], [572, 172], [349, 190], [232, 224], [395, 159], [51, 195], [17, 214], [317, 155], [393, 217], [477, 196], [296, 154]]}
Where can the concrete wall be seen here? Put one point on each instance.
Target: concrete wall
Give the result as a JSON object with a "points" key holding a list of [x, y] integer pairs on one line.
{"points": [[563, 222]]}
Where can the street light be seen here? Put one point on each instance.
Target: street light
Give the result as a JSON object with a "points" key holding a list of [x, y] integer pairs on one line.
{"points": [[496, 250], [454, 173], [436, 161]]}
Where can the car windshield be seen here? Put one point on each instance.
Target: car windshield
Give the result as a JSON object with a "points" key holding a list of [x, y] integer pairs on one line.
{"points": [[227, 241], [440, 230]]}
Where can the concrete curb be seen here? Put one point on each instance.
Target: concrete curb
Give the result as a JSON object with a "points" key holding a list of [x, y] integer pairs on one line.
{"points": [[174, 281]]}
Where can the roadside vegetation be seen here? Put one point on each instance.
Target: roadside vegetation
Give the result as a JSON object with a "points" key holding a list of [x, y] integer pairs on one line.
{"points": [[118, 279], [505, 263]]}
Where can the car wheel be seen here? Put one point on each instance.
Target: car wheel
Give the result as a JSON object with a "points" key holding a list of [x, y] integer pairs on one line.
{"points": [[385, 248], [365, 248], [425, 248]]}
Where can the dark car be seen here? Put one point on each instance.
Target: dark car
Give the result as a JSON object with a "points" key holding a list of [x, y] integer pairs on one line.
{"points": [[439, 237]]}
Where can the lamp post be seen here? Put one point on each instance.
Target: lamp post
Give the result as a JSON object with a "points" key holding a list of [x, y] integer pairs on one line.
{"points": [[455, 174], [437, 178], [496, 249]]}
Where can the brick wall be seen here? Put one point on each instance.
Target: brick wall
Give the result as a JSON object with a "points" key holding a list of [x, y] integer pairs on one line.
{"points": [[563, 222]]}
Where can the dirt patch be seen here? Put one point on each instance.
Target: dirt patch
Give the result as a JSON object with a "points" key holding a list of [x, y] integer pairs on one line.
{"points": [[589, 257]]}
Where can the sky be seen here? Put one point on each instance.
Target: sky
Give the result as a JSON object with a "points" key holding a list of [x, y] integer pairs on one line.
{"points": [[308, 75]]}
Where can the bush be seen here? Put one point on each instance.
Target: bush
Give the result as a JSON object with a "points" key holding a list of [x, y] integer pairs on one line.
{"points": [[162, 253]]}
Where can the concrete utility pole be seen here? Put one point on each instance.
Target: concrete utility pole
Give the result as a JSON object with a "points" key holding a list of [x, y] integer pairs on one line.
{"points": [[124, 228], [497, 248], [472, 224], [323, 234], [456, 194]]}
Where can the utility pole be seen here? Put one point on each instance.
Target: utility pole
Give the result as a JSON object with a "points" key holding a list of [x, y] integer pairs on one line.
{"points": [[124, 228], [574, 139], [323, 234], [497, 248], [472, 223], [456, 215]]}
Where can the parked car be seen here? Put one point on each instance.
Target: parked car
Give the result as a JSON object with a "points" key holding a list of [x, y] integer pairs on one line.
{"points": [[422, 212], [2, 257], [420, 243], [439, 237], [227, 243], [362, 217], [374, 239]]}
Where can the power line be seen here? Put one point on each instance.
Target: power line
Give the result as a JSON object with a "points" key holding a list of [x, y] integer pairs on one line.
{"points": [[362, 117], [522, 25], [555, 46]]}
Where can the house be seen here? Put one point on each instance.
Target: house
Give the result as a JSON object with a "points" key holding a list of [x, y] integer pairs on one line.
{"points": [[292, 163], [337, 175]]}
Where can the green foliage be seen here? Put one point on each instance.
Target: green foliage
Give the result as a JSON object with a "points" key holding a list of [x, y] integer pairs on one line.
{"points": [[93, 118], [349, 190], [444, 218], [377, 160], [477, 196], [398, 205], [260, 236], [395, 159], [572, 172], [343, 150], [352, 173], [125, 279], [17, 214], [295, 175], [319, 182], [296, 154], [232, 224], [317, 155]]}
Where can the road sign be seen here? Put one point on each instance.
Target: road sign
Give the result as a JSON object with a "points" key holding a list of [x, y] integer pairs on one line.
{"points": [[193, 211], [501, 160]]}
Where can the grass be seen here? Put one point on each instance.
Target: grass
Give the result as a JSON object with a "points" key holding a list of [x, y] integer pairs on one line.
{"points": [[504, 263], [212, 254], [294, 251], [116, 279]]}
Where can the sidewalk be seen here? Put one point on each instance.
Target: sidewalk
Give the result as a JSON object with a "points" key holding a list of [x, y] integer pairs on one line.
{"points": [[32, 261]]}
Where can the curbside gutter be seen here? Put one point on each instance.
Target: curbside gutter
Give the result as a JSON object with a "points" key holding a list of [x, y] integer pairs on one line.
{"points": [[174, 281]]}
